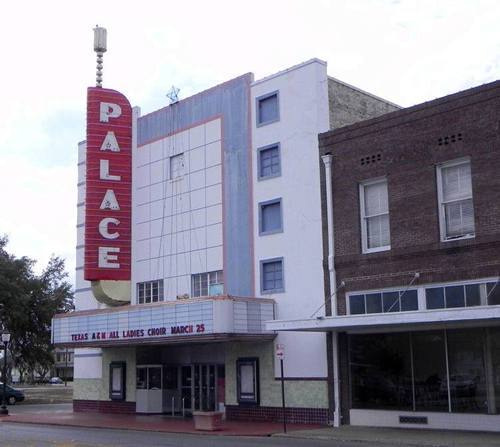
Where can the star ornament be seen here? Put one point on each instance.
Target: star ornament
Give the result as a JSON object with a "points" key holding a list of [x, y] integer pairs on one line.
{"points": [[173, 94]]}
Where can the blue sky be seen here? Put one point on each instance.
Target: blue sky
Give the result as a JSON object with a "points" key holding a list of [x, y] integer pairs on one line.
{"points": [[406, 51]]}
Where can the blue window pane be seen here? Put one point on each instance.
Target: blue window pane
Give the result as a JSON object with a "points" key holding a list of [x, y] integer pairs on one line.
{"points": [[455, 296], [357, 304], [409, 300], [268, 109], [272, 276], [472, 295], [269, 162], [435, 298], [271, 217], [391, 301], [373, 303], [493, 293]]}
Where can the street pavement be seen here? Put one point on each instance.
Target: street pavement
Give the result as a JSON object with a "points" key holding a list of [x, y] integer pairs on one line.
{"points": [[56, 425], [21, 435]]}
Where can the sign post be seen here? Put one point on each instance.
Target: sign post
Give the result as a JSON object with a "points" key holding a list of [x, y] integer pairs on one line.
{"points": [[280, 355]]}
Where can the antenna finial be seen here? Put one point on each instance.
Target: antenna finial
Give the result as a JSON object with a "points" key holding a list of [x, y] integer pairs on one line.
{"points": [[100, 35]]}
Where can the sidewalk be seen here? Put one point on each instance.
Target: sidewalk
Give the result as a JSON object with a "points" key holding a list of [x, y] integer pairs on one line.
{"points": [[158, 423], [401, 436], [396, 436]]}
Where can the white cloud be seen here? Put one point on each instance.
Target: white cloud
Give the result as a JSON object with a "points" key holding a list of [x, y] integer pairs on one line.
{"points": [[407, 51], [38, 210]]}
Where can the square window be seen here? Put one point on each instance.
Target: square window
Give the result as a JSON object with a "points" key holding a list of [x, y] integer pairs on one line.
{"points": [[270, 218], [357, 304], [456, 209], [267, 107], [473, 295], [391, 301], [409, 300], [150, 291], [455, 296], [373, 303], [207, 284], [493, 293], [374, 205], [271, 272], [269, 162], [435, 298], [176, 166]]}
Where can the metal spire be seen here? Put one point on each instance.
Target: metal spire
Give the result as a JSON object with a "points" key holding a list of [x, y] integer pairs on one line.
{"points": [[100, 35]]}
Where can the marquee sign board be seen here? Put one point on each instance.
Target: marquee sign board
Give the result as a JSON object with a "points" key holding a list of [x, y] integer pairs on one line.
{"points": [[108, 200], [135, 324]]}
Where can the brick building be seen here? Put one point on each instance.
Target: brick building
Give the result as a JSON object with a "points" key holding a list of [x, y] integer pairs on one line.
{"points": [[412, 201]]}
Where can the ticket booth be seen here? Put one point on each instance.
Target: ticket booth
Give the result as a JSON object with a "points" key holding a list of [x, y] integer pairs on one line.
{"points": [[149, 390]]}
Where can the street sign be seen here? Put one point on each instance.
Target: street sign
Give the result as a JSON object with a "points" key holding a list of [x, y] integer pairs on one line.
{"points": [[280, 352], [280, 355]]}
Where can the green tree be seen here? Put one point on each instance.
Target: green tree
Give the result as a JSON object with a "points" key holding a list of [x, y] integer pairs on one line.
{"points": [[27, 304]]}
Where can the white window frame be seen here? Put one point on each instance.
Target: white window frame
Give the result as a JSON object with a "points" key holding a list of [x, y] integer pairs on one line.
{"points": [[441, 203], [401, 291], [215, 278], [147, 290], [364, 230]]}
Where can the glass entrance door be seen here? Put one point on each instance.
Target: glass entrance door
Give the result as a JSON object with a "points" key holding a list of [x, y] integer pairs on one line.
{"points": [[204, 387], [186, 387]]}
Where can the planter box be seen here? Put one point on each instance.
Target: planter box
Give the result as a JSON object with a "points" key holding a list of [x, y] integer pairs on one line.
{"points": [[207, 420]]}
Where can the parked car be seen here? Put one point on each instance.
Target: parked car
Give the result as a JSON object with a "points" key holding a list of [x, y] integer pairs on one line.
{"points": [[13, 395], [56, 380]]}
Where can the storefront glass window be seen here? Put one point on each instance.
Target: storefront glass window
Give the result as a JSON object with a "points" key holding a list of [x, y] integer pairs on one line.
{"points": [[381, 371], [494, 369], [429, 359], [383, 375], [467, 373]]}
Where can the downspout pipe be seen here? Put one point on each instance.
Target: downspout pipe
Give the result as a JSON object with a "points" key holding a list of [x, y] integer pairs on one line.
{"points": [[327, 161]]}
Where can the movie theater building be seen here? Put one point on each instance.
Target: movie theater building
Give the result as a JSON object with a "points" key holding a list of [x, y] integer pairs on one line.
{"points": [[196, 224], [413, 201]]}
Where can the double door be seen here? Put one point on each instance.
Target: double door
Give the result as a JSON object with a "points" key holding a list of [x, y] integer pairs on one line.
{"points": [[180, 389], [199, 387]]}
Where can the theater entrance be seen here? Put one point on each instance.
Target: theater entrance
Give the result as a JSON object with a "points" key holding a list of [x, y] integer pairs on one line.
{"points": [[180, 389]]}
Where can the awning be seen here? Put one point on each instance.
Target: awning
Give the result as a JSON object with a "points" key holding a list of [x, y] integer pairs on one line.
{"points": [[394, 321]]}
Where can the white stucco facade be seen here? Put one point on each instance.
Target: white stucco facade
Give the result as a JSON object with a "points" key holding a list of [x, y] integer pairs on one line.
{"points": [[303, 113]]}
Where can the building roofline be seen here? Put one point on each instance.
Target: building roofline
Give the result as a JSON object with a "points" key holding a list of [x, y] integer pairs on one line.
{"points": [[378, 98], [247, 76], [423, 110], [287, 70]]}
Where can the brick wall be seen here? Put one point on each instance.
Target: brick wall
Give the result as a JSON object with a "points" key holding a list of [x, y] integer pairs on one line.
{"points": [[408, 145], [349, 104], [405, 147], [275, 414], [103, 406]]}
